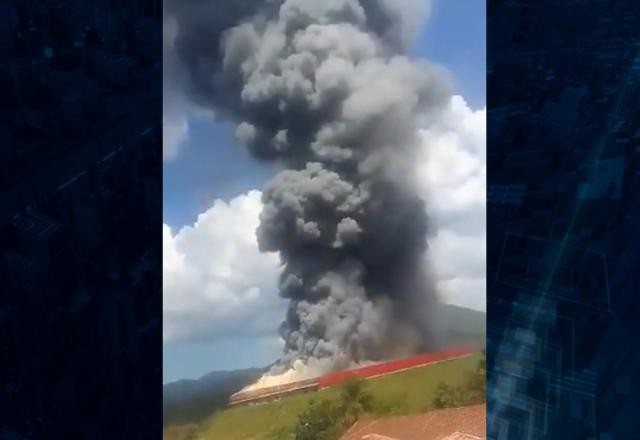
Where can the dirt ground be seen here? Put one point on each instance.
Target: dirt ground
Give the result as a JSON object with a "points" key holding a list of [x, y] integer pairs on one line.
{"points": [[446, 424]]}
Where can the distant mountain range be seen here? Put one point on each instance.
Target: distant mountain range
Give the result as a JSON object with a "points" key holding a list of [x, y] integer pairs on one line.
{"points": [[189, 401], [465, 327]]}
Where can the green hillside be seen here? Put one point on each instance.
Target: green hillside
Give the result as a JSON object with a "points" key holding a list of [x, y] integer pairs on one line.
{"points": [[187, 402], [406, 392], [464, 327]]}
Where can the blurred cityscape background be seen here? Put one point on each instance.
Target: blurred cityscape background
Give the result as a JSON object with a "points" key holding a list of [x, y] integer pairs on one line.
{"points": [[80, 215], [563, 215]]}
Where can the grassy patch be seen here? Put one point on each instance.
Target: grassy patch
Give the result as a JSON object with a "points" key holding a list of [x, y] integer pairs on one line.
{"points": [[411, 391]]}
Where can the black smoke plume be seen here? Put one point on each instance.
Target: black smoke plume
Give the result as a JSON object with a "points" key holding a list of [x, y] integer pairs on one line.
{"points": [[325, 88]]}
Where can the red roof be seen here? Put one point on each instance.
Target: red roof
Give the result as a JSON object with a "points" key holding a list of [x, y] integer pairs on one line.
{"points": [[336, 378], [392, 367]]}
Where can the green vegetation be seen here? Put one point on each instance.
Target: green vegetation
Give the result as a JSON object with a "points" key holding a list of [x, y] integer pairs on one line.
{"points": [[329, 419], [183, 432], [411, 391], [472, 391], [190, 402]]}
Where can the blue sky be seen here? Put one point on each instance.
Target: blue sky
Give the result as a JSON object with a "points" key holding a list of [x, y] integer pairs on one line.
{"points": [[212, 166]]}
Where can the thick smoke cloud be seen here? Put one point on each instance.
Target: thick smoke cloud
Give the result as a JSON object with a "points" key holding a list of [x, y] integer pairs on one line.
{"points": [[325, 89]]}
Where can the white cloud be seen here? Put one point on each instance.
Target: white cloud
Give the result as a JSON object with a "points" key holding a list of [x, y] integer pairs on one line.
{"points": [[414, 14], [215, 281], [452, 175], [175, 106], [178, 114], [175, 130]]}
